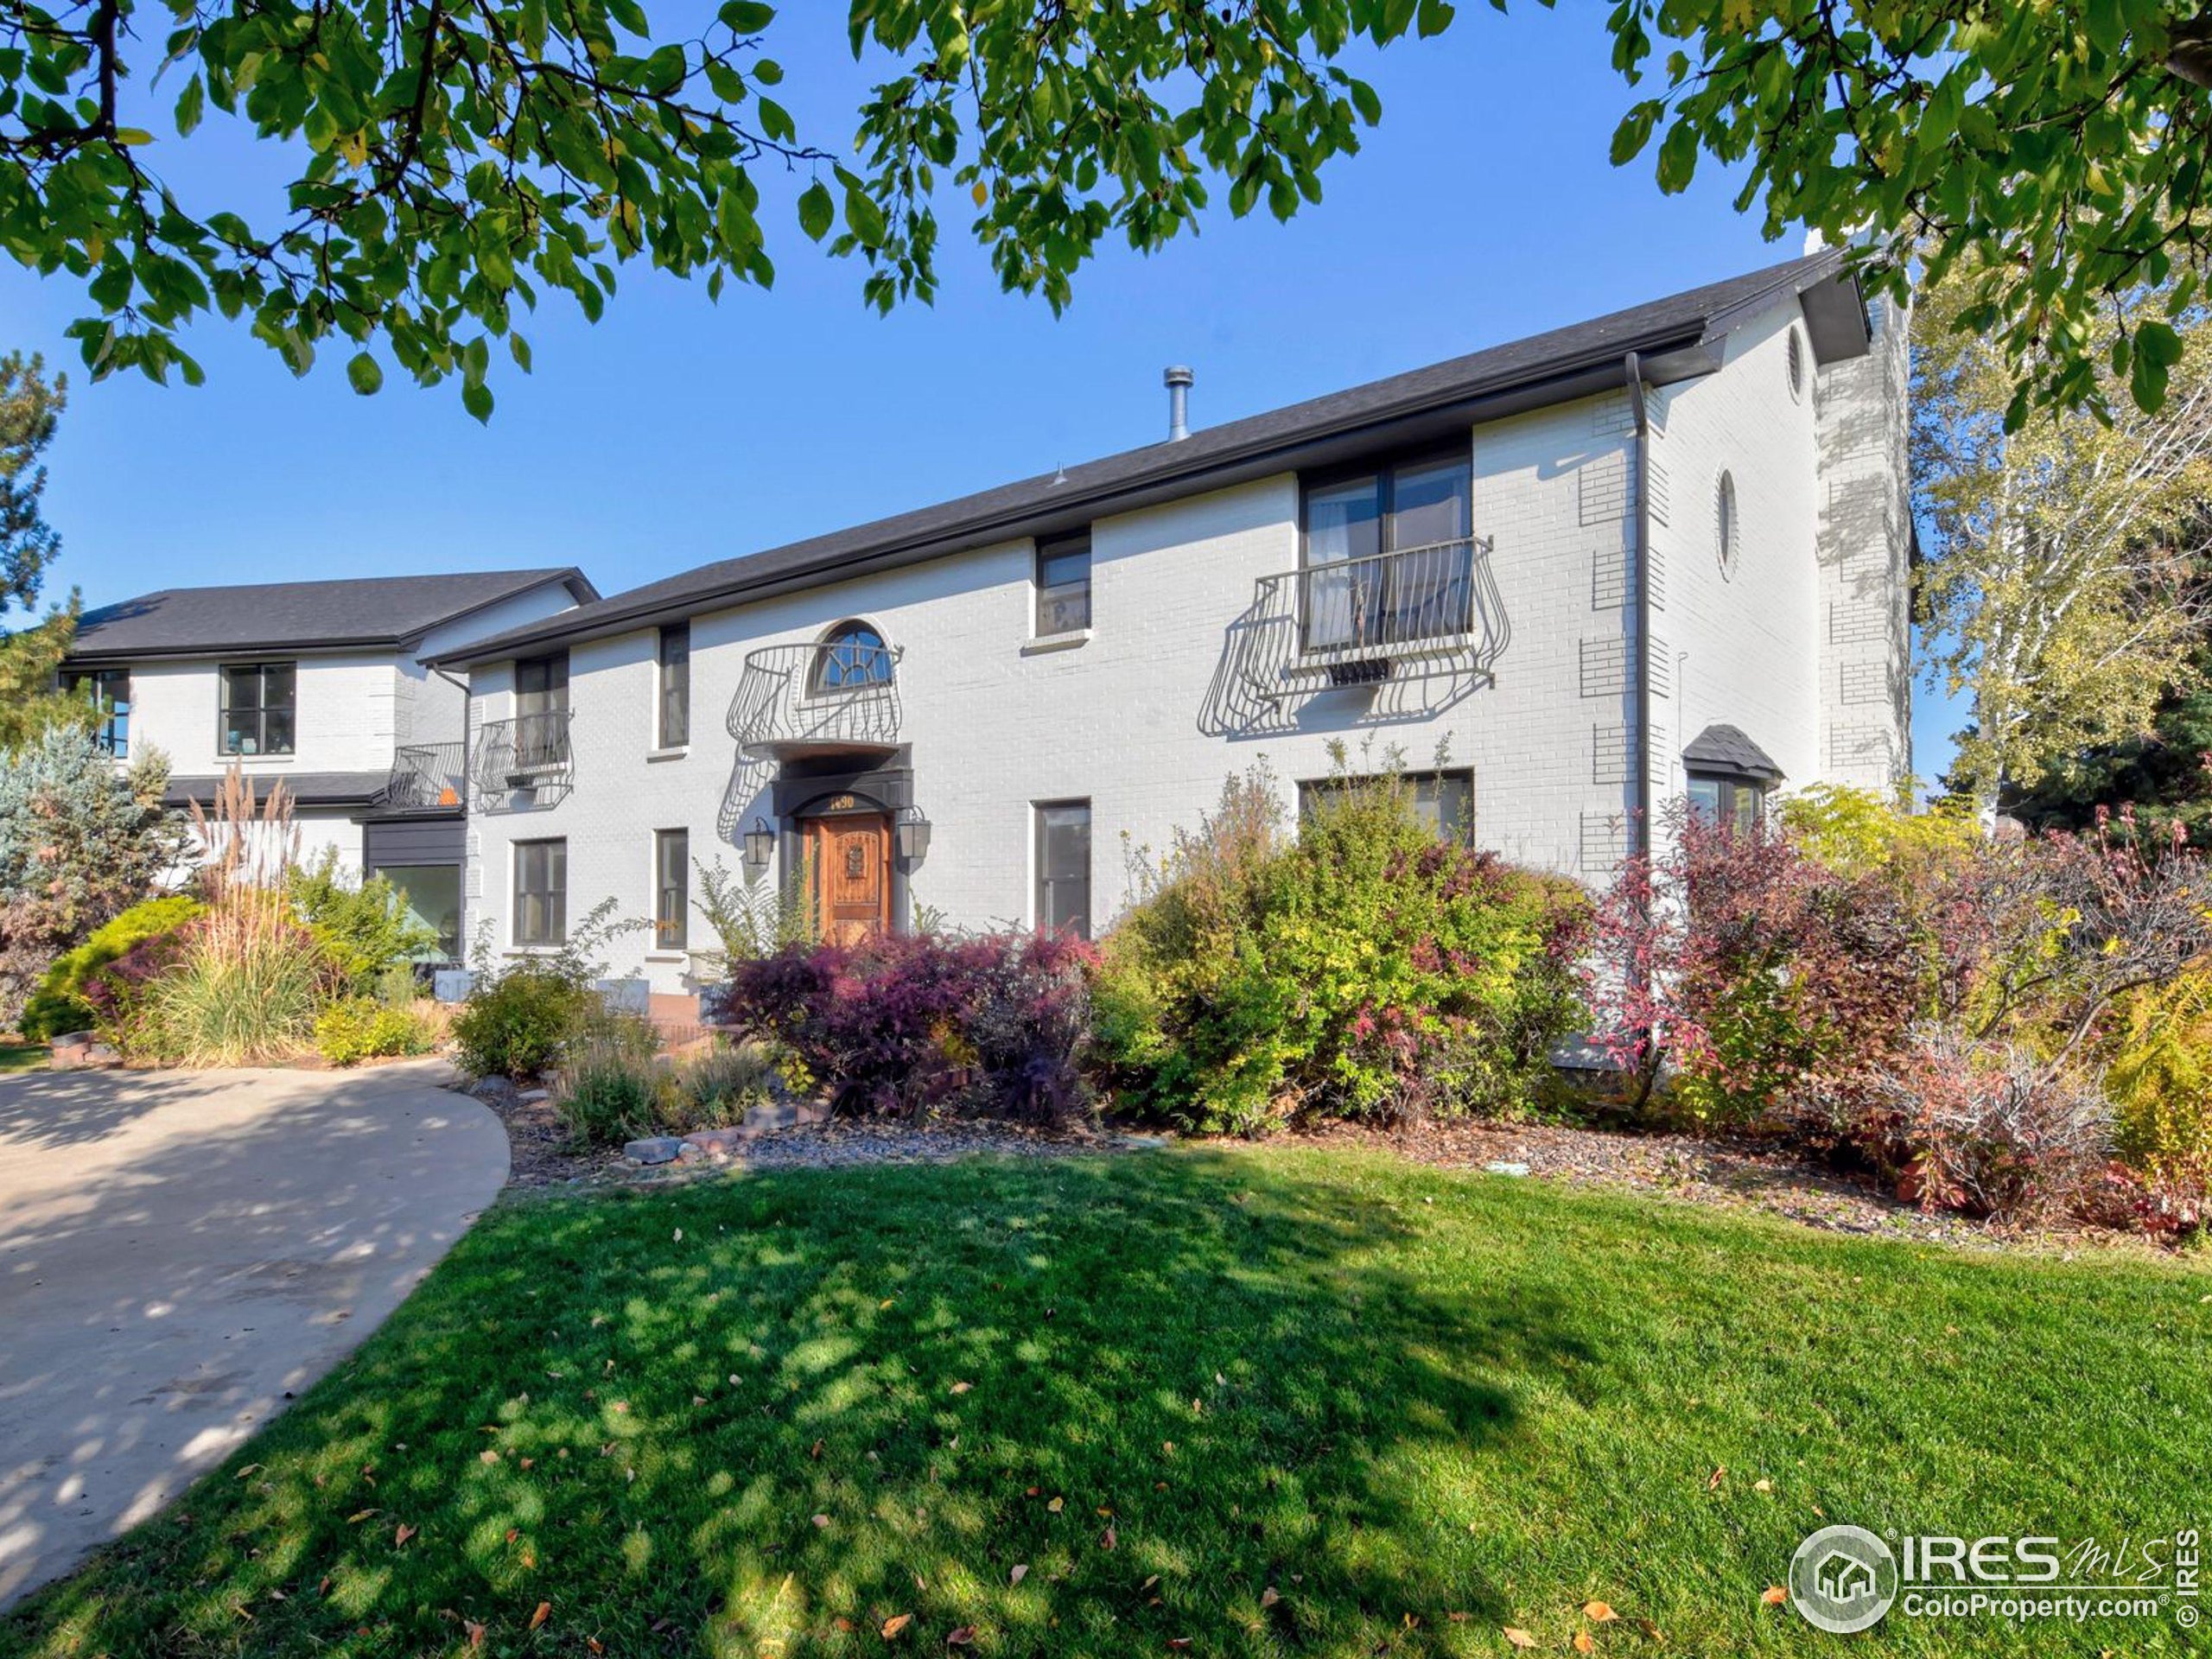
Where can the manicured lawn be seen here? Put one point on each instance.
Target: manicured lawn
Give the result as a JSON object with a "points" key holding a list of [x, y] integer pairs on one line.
{"points": [[20, 1056], [768, 1415]]}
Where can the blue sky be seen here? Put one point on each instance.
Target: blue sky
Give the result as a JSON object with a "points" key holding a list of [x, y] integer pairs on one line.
{"points": [[676, 431]]}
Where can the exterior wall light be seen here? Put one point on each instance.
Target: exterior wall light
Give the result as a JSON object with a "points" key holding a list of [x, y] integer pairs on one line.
{"points": [[913, 834], [760, 845]]}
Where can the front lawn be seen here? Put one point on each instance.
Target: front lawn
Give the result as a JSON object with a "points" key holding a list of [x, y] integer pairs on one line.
{"points": [[776, 1415], [21, 1057]]}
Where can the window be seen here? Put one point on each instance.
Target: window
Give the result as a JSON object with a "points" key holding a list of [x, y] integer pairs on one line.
{"points": [[852, 655], [673, 712], [257, 708], [1445, 801], [1063, 585], [1420, 514], [540, 892], [1796, 366], [432, 895], [1726, 529], [109, 691], [671, 888], [1733, 802], [1063, 867], [542, 711]]}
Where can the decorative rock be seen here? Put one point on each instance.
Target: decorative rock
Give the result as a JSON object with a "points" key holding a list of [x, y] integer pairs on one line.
{"points": [[1502, 1168], [496, 1091], [72, 1040], [531, 1096], [654, 1149], [717, 1144]]}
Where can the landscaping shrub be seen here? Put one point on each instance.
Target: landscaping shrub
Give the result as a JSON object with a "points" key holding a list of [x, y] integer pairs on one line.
{"points": [[991, 1023], [60, 1002], [79, 845], [612, 1083], [516, 1024], [363, 929], [1366, 968], [358, 1029], [243, 987], [715, 1090], [2158, 1064]]}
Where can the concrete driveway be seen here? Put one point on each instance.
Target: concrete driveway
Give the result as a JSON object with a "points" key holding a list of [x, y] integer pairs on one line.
{"points": [[180, 1252]]}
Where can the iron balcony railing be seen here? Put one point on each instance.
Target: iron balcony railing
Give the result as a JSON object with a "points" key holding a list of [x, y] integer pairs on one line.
{"points": [[530, 752], [428, 775], [1438, 595], [832, 695]]}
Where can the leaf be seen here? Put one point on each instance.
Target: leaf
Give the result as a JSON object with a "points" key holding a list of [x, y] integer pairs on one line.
{"points": [[1714, 1485], [1107, 1542], [1519, 1637], [477, 400], [475, 1633], [1019, 1573], [960, 1635], [402, 1535], [1762, 1485], [1583, 1643], [1599, 1612], [895, 1623], [815, 211], [1775, 1595], [544, 1611], [962, 1388], [821, 1520], [1268, 1597], [1056, 1505]]}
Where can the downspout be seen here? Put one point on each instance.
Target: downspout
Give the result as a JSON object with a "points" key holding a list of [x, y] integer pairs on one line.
{"points": [[1639, 550]]}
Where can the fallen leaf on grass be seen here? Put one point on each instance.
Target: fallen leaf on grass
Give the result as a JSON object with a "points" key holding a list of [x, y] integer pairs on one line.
{"points": [[962, 1388], [821, 1520], [1268, 1597], [250, 1469], [487, 1456], [402, 1535], [1056, 1505], [360, 1515], [1775, 1596], [1019, 1573], [475, 1633], [1651, 1631], [895, 1623], [1583, 1643], [544, 1611], [1597, 1612], [1714, 1485], [961, 1636], [1177, 1643], [1108, 1540], [1519, 1637]]}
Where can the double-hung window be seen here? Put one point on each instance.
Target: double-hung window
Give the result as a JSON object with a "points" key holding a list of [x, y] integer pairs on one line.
{"points": [[1063, 585], [1063, 867], [671, 888], [672, 708], [1443, 801], [259, 713], [1732, 801], [1389, 554], [540, 892], [108, 689]]}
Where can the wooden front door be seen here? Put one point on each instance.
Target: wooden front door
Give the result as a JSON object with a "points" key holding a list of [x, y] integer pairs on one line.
{"points": [[852, 874]]}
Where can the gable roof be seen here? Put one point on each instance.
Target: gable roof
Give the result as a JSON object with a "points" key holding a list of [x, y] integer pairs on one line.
{"points": [[356, 613], [1675, 338]]}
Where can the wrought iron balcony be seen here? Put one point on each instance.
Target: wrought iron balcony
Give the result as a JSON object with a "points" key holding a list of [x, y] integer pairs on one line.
{"points": [[528, 755], [427, 776], [1426, 624], [818, 699]]}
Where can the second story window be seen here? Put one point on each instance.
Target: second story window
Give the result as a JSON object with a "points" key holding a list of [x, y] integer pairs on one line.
{"points": [[542, 711], [259, 713], [673, 707], [852, 655], [1063, 585], [108, 689], [1388, 554]]}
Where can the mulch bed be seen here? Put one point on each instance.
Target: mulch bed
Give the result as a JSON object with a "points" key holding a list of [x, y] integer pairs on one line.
{"points": [[1719, 1173]]}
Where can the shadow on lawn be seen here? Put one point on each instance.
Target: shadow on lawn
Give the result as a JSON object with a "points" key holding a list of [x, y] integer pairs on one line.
{"points": [[1215, 1362]]}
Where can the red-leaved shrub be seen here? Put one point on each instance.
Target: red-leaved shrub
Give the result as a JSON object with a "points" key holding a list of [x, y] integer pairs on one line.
{"points": [[991, 1023]]}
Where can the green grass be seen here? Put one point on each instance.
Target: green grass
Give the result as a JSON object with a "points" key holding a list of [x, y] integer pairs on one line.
{"points": [[1420, 1406], [20, 1056]]}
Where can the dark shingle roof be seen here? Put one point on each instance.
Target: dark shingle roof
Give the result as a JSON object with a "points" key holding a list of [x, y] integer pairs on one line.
{"points": [[306, 788], [1552, 367], [359, 612], [1723, 748]]}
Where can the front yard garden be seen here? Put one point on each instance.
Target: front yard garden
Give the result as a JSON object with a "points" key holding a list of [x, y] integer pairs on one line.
{"points": [[1251, 1400]]}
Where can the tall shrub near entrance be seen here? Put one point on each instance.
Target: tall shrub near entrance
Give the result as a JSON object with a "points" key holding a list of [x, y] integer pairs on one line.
{"points": [[79, 846], [1367, 967]]}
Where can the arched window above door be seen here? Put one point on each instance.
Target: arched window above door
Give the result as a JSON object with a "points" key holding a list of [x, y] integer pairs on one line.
{"points": [[852, 655]]}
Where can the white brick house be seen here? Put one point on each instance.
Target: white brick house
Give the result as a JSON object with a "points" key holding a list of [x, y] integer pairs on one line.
{"points": [[1447, 562], [320, 685]]}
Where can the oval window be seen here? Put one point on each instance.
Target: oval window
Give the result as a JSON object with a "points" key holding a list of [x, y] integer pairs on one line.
{"points": [[1796, 366]]}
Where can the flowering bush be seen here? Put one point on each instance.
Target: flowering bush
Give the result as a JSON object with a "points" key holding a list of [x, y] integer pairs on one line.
{"points": [[993, 1022], [1366, 968]]}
